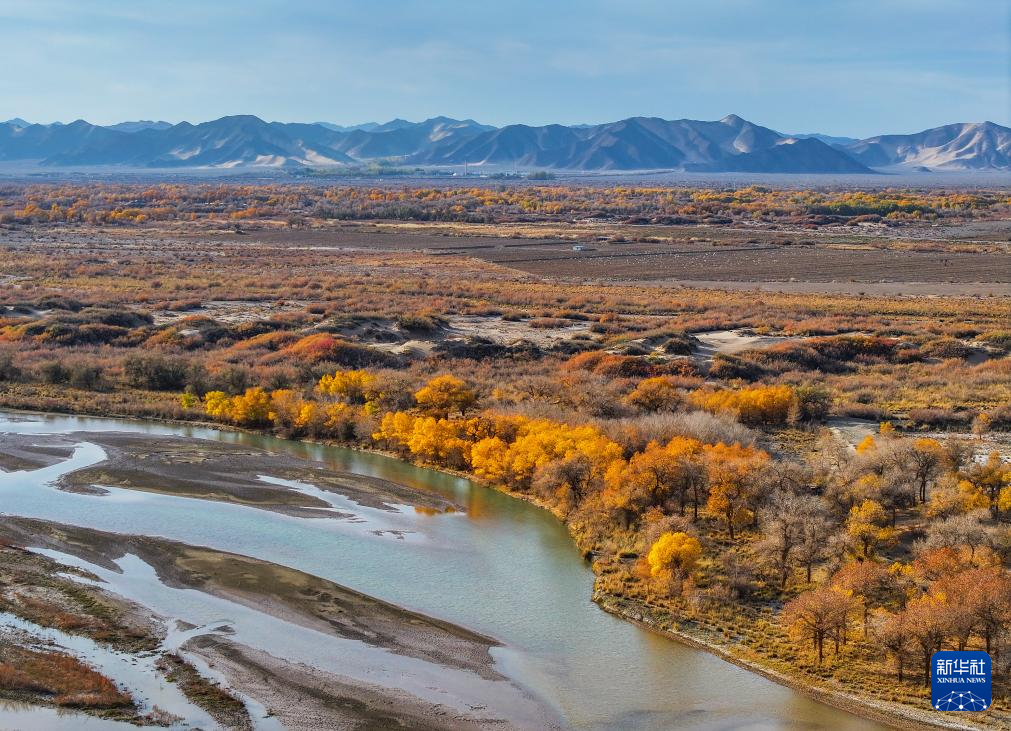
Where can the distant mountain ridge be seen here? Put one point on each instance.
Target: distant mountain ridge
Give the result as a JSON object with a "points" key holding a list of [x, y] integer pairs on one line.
{"points": [[984, 146], [731, 144], [645, 143], [827, 139], [139, 125]]}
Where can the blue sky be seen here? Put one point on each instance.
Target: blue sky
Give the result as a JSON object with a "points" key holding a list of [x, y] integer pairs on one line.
{"points": [[848, 67]]}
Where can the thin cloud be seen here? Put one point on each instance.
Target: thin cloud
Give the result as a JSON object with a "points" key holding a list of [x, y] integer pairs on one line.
{"points": [[836, 67]]}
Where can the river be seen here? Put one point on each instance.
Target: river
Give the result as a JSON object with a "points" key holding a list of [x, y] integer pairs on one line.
{"points": [[503, 568]]}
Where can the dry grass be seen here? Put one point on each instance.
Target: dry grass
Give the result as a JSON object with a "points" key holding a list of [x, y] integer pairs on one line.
{"points": [[273, 311], [59, 678]]}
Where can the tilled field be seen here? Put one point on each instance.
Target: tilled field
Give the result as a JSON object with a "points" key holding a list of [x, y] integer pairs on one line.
{"points": [[742, 260], [944, 267], [762, 264]]}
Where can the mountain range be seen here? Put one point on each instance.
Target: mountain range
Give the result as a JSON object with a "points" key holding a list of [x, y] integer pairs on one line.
{"points": [[730, 144]]}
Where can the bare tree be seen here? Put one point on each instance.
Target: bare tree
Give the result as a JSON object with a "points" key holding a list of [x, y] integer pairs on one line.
{"points": [[926, 459], [897, 639], [927, 620], [786, 521], [818, 615], [958, 530], [958, 453], [895, 492], [870, 581], [816, 540]]}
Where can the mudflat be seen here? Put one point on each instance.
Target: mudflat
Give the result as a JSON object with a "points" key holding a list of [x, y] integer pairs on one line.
{"points": [[211, 470], [300, 696]]}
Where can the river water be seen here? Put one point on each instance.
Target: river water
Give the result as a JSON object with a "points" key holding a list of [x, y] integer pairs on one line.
{"points": [[503, 568]]}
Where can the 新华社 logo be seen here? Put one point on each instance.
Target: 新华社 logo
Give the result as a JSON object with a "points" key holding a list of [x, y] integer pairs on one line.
{"points": [[960, 680]]}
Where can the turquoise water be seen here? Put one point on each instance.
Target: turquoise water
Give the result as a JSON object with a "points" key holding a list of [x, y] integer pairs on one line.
{"points": [[504, 568]]}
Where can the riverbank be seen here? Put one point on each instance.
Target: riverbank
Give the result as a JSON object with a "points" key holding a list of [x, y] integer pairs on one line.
{"points": [[900, 717], [894, 715], [298, 695], [73, 646], [868, 708]]}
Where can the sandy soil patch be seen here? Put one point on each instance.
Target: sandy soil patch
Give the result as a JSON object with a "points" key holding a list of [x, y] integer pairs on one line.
{"points": [[731, 342], [507, 332]]}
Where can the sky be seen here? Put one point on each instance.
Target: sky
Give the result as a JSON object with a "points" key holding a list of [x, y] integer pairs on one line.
{"points": [[842, 67]]}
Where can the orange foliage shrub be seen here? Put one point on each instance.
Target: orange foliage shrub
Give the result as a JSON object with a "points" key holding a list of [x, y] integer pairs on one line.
{"points": [[756, 405]]}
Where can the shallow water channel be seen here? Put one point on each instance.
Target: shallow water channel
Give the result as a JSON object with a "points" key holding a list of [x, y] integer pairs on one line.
{"points": [[503, 568]]}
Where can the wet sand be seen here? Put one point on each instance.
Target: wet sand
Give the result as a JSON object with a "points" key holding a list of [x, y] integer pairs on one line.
{"points": [[307, 698], [298, 694], [20, 452], [211, 470], [46, 612], [285, 593], [301, 696], [602, 675]]}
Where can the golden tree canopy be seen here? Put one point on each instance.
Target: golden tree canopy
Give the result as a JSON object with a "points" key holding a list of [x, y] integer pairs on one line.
{"points": [[674, 552], [444, 395]]}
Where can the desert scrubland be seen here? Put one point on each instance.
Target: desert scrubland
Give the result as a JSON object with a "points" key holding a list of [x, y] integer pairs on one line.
{"points": [[775, 422]]}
